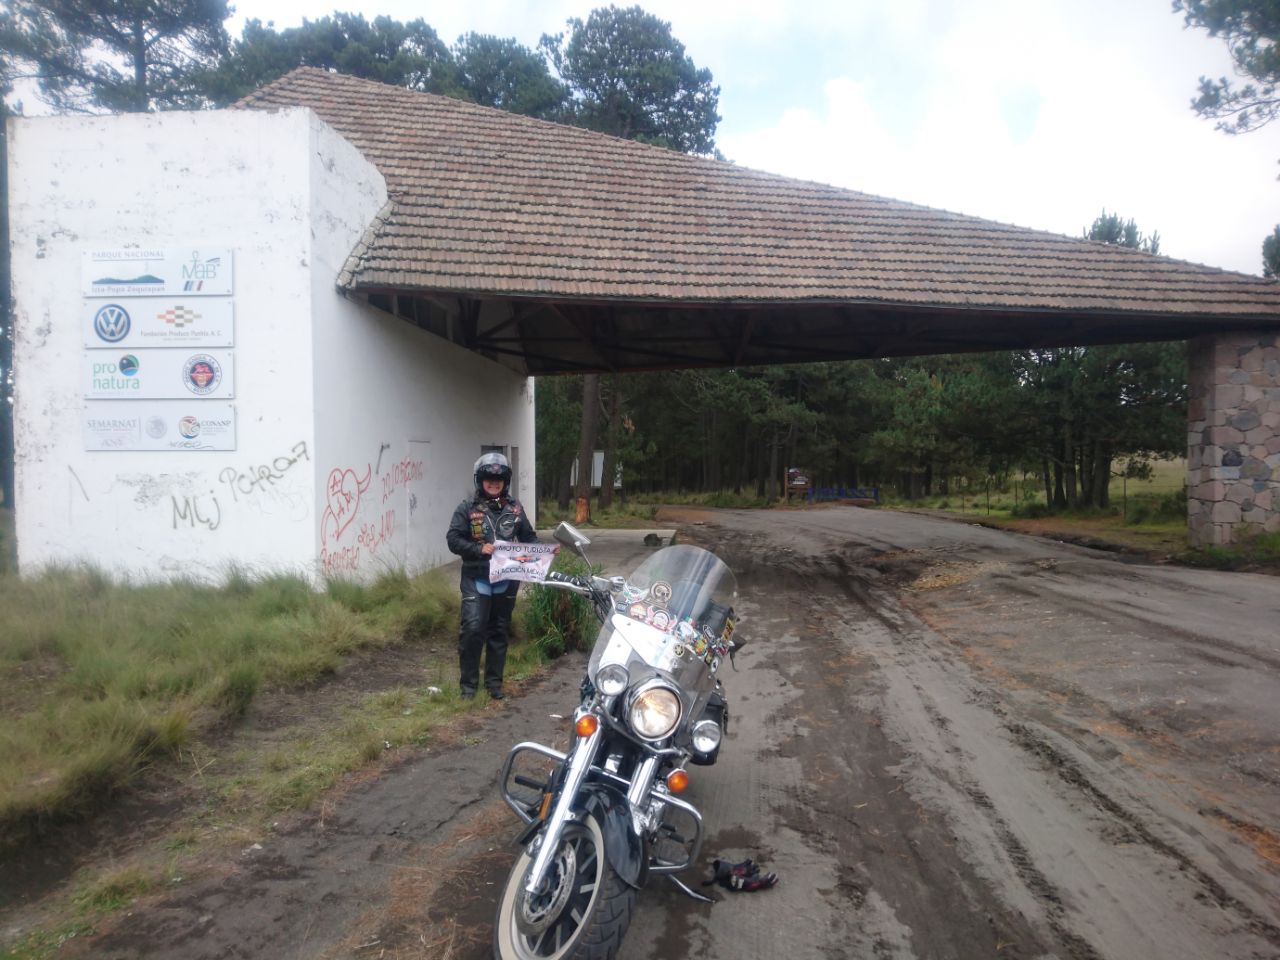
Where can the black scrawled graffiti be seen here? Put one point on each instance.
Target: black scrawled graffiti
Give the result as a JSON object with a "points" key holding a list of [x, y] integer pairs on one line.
{"points": [[188, 512], [245, 483]]}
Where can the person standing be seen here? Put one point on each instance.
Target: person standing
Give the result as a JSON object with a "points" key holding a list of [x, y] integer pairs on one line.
{"points": [[489, 514]]}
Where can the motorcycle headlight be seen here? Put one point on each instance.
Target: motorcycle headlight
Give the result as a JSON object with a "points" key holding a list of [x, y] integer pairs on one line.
{"points": [[654, 712], [611, 679], [706, 735]]}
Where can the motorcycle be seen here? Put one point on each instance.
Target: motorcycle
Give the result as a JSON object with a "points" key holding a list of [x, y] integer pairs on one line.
{"points": [[607, 815]]}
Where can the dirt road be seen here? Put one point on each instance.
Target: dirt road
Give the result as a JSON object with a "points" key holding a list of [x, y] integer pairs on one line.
{"points": [[948, 741]]}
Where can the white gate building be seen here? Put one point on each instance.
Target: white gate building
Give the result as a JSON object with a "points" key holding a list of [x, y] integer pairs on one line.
{"points": [[193, 392]]}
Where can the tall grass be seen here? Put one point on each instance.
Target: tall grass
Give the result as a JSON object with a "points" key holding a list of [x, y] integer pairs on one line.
{"points": [[1257, 552], [104, 678], [556, 621], [8, 545]]}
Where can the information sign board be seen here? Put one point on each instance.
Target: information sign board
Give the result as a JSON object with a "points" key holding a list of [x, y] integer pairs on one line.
{"points": [[159, 425], [193, 271], [157, 374], [126, 322]]}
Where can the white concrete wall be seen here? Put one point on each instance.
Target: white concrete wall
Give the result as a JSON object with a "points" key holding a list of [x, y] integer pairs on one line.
{"points": [[234, 179], [401, 415], [356, 432]]}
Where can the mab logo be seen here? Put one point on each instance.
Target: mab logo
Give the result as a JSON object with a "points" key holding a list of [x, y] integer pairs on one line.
{"points": [[195, 273], [111, 323]]}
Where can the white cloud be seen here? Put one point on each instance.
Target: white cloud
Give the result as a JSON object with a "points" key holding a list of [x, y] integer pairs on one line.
{"points": [[1111, 129]]}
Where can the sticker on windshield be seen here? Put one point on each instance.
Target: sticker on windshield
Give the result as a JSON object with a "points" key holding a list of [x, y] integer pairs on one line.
{"points": [[661, 592]]}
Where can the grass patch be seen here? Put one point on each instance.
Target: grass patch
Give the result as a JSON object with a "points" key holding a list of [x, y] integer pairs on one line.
{"points": [[109, 678], [40, 944], [629, 515], [1261, 552], [1146, 515], [115, 889], [114, 683], [8, 543], [308, 758], [641, 509], [555, 620]]}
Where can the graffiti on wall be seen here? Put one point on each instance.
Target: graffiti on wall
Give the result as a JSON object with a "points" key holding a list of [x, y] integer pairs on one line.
{"points": [[406, 471], [262, 477], [346, 544], [339, 560], [192, 512], [343, 491]]}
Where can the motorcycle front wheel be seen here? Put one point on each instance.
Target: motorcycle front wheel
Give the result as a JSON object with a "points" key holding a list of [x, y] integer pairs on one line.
{"points": [[582, 911]]}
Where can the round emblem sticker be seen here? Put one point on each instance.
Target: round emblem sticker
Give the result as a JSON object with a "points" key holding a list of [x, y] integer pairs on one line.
{"points": [[189, 427], [111, 323], [156, 428], [128, 365], [202, 374]]}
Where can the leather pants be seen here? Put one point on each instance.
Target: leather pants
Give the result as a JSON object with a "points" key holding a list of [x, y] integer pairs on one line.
{"points": [[485, 622]]}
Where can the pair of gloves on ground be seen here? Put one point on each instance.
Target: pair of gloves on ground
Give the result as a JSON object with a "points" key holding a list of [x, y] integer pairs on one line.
{"points": [[741, 877]]}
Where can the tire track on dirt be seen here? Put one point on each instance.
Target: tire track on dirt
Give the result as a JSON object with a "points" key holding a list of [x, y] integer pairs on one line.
{"points": [[912, 641]]}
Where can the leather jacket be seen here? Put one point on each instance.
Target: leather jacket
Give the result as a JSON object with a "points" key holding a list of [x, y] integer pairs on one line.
{"points": [[479, 520]]}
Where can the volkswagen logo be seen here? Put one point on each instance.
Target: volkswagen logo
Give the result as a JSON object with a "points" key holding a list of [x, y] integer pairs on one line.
{"points": [[111, 323]]}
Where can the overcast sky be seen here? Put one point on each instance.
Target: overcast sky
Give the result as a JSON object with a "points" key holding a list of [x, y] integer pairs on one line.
{"points": [[1033, 112]]}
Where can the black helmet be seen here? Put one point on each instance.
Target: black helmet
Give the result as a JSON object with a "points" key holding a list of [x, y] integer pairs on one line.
{"points": [[492, 466]]}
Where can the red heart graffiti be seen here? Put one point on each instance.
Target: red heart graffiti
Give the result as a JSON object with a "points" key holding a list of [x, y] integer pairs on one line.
{"points": [[343, 494]]}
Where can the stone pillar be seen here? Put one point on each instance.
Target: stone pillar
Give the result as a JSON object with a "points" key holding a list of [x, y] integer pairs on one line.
{"points": [[1233, 438]]}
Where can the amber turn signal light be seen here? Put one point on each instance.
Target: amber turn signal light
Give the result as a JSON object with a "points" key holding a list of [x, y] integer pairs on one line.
{"points": [[586, 725], [677, 780]]}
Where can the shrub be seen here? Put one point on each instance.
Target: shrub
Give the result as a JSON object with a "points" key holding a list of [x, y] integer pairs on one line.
{"points": [[1031, 510], [556, 620], [1157, 508]]}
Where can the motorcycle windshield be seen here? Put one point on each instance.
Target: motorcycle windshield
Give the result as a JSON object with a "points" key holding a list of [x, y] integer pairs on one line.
{"points": [[684, 590]]}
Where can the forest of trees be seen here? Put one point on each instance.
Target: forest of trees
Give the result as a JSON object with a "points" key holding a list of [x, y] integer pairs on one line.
{"points": [[1069, 417]]}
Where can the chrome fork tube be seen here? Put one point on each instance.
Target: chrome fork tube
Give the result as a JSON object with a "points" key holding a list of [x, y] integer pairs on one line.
{"points": [[579, 764], [641, 782]]}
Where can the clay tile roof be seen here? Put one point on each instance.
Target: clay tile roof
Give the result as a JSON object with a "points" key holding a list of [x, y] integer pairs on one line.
{"points": [[492, 203]]}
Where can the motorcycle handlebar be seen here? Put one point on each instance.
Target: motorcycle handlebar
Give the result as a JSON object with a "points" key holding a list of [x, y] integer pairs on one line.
{"points": [[557, 579]]}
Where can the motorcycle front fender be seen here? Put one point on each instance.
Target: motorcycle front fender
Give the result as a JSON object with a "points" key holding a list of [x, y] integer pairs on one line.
{"points": [[622, 845]]}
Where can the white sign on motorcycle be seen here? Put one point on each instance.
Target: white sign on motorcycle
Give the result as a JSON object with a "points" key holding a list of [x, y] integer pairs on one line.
{"points": [[194, 271], [126, 322], [521, 561]]}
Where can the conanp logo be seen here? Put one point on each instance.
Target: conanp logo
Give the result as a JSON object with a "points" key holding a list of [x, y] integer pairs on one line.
{"points": [[111, 323]]}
